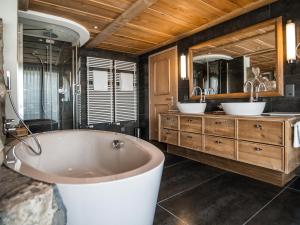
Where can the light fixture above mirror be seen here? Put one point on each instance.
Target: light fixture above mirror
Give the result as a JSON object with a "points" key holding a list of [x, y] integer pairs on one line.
{"points": [[183, 71], [291, 48]]}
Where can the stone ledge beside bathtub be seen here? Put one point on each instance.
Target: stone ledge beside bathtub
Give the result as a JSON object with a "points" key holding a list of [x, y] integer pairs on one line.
{"points": [[26, 201]]}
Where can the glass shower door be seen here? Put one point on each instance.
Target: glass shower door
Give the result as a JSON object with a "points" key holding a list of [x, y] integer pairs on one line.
{"points": [[49, 77]]}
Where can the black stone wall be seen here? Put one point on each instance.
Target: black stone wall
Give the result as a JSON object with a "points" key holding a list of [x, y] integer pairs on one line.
{"points": [[288, 9], [124, 127]]}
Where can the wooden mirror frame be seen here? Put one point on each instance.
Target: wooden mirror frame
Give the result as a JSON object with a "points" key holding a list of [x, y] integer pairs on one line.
{"points": [[279, 64]]}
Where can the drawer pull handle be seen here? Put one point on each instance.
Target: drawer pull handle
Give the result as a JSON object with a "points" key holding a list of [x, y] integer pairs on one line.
{"points": [[218, 122], [168, 133], [189, 120], [189, 136], [258, 149], [259, 126], [218, 142]]}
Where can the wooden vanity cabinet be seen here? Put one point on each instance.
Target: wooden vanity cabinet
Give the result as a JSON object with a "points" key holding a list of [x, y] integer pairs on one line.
{"points": [[219, 126], [269, 132], [191, 140], [169, 136], [169, 122], [168, 129], [223, 147], [191, 124], [259, 147], [268, 156]]}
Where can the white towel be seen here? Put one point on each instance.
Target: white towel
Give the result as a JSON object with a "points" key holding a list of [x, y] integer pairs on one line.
{"points": [[297, 135], [100, 80], [66, 90], [126, 80]]}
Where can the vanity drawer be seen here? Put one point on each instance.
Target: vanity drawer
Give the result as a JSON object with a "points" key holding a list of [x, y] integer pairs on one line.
{"points": [[270, 132], [218, 146], [219, 126], [191, 124], [191, 140], [268, 156], [169, 136], [169, 121]]}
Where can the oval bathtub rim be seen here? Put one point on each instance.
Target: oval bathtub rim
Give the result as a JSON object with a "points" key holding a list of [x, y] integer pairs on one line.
{"points": [[156, 159]]}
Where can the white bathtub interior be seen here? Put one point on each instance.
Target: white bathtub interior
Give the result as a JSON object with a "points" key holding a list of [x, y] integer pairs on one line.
{"points": [[84, 154]]}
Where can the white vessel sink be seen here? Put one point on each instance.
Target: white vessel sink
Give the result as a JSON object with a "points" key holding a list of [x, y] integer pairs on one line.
{"points": [[244, 108], [194, 108]]}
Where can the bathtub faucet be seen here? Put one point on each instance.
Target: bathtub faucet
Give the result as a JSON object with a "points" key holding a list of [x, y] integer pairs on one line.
{"points": [[117, 144], [8, 126]]}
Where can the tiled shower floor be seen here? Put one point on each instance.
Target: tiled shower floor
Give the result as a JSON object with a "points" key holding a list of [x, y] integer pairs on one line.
{"points": [[195, 194]]}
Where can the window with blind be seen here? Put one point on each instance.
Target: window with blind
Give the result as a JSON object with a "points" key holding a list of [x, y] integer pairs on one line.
{"points": [[40, 100], [111, 91]]}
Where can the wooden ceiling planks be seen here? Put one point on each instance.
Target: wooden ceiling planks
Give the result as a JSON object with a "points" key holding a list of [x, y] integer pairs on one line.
{"points": [[134, 10], [158, 24]]}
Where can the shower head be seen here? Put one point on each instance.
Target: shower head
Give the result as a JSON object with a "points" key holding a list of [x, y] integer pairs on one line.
{"points": [[36, 54]]}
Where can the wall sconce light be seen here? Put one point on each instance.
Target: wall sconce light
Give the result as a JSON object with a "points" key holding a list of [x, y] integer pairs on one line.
{"points": [[291, 48], [183, 67]]}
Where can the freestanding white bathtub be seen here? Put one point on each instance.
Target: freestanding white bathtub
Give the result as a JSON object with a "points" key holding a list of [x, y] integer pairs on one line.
{"points": [[99, 185]]}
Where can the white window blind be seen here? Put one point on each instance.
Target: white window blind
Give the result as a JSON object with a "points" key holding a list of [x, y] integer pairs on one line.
{"points": [[100, 107], [125, 91]]}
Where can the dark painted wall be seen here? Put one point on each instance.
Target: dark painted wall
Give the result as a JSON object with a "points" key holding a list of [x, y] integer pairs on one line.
{"points": [[124, 127], [288, 9]]}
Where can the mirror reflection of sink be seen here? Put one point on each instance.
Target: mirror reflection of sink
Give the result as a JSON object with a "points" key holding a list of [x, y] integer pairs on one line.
{"points": [[194, 108], [244, 108]]}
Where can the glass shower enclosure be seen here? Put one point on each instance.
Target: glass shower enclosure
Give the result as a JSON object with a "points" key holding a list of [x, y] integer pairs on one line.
{"points": [[51, 87]]}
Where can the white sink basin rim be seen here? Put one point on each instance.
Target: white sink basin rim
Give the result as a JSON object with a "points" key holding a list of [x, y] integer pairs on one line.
{"points": [[193, 108], [244, 108]]}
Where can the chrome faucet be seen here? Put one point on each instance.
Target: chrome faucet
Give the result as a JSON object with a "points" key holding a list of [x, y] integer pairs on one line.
{"points": [[8, 126], [251, 89], [202, 96], [117, 144], [258, 89]]}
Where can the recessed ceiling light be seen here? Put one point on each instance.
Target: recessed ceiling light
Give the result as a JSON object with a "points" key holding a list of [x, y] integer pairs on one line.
{"points": [[95, 27]]}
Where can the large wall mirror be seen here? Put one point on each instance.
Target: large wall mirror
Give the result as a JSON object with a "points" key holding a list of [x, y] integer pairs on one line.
{"points": [[221, 66]]}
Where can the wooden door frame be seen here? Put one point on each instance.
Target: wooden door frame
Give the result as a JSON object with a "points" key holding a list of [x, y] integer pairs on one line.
{"points": [[149, 82]]}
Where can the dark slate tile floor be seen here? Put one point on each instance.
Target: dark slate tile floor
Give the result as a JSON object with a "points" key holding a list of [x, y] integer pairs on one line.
{"points": [[195, 194]]}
